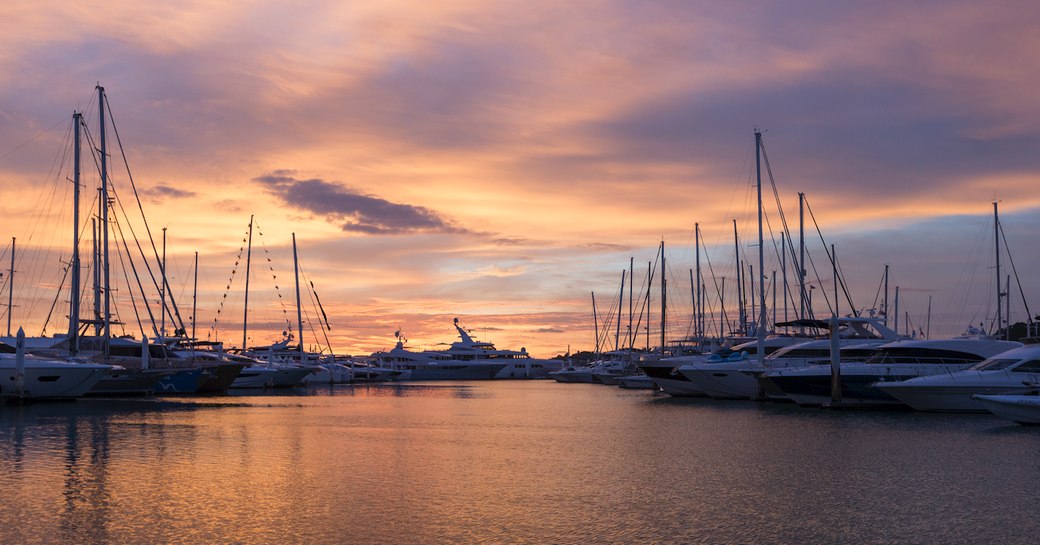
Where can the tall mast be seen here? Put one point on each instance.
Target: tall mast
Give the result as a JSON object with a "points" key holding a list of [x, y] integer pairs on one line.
{"points": [[773, 282], [245, 311], [886, 295], [631, 271], [77, 120], [649, 284], [664, 296], [801, 257], [698, 311], [105, 287], [617, 328], [595, 324], [783, 270], [162, 287], [10, 286], [723, 318], [761, 329], [693, 300], [299, 309], [96, 257], [996, 238], [194, 299], [741, 319]]}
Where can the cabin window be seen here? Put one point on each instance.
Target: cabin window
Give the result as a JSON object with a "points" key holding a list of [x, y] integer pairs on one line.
{"points": [[1031, 366], [995, 364]]}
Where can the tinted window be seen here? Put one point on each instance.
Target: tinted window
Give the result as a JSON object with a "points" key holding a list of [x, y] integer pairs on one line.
{"points": [[994, 364], [1031, 366]]}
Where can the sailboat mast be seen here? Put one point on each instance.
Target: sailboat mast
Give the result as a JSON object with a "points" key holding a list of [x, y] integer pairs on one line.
{"points": [[698, 311], [617, 328], [649, 284], [761, 329], [801, 257], [106, 280], [783, 271], [886, 295], [595, 324], [194, 299], [741, 319], [631, 273], [96, 257], [77, 120], [664, 296], [299, 308], [162, 287], [245, 311], [10, 290], [996, 246]]}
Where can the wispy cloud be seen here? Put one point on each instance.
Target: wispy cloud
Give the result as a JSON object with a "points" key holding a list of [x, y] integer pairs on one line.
{"points": [[162, 192], [353, 210]]}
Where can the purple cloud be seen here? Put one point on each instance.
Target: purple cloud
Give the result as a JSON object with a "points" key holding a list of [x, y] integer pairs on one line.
{"points": [[357, 211]]}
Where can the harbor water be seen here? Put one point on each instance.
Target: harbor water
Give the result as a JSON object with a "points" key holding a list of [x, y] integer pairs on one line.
{"points": [[507, 462]]}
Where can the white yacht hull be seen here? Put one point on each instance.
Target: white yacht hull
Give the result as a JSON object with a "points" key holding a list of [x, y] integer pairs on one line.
{"points": [[953, 393], [722, 380], [50, 379], [1024, 409]]}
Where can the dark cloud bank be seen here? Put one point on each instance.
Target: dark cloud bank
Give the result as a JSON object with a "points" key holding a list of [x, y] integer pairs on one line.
{"points": [[356, 211]]}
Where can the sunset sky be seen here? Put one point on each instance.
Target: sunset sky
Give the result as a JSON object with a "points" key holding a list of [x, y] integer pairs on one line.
{"points": [[500, 161]]}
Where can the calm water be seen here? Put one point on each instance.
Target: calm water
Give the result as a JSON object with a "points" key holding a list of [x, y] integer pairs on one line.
{"points": [[507, 462]]}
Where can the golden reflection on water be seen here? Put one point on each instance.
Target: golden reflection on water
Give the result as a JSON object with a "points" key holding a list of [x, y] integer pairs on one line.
{"points": [[518, 462]]}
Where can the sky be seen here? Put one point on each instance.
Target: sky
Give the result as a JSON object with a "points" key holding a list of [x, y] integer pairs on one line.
{"points": [[500, 162]]}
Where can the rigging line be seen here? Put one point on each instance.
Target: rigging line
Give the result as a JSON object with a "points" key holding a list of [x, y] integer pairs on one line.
{"points": [[130, 290], [118, 201], [830, 258], [1007, 249], [321, 308], [33, 138], [137, 277], [777, 251], [230, 281], [310, 323], [826, 249], [779, 205], [270, 267], [144, 218], [31, 262], [313, 295], [646, 300], [54, 303]]}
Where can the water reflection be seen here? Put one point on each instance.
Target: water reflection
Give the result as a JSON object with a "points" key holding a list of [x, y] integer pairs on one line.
{"points": [[521, 462]]}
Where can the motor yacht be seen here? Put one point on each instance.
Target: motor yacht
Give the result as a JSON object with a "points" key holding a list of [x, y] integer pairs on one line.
{"points": [[733, 376], [45, 378], [434, 365], [1020, 408], [1005, 373], [518, 364], [893, 362]]}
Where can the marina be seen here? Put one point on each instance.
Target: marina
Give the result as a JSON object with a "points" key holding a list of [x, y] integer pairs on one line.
{"points": [[505, 462], [519, 272]]}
